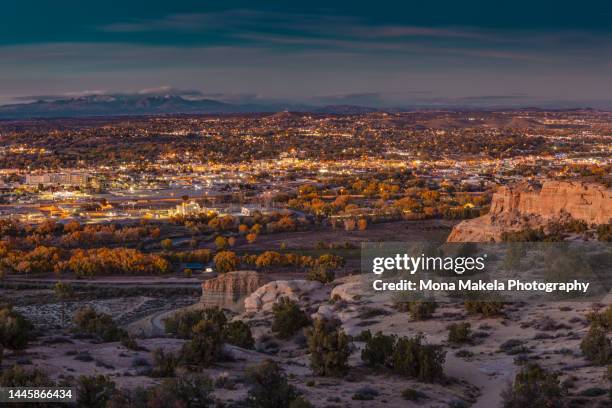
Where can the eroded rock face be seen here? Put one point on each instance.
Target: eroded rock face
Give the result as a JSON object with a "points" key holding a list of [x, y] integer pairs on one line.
{"points": [[348, 291], [229, 288], [266, 296], [516, 207]]}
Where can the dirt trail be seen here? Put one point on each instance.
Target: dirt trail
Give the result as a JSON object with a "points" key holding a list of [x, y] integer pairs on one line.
{"points": [[490, 376]]}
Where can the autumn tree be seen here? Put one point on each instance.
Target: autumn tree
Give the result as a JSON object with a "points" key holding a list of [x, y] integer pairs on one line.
{"points": [[221, 242], [251, 237], [226, 261], [167, 244]]}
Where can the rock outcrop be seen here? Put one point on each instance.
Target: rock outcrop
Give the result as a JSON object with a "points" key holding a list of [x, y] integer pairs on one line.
{"points": [[265, 297], [228, 289], [526, 205]]}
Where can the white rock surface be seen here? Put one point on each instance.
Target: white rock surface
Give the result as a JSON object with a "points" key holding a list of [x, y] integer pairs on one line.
{"points": [[266, 296]]}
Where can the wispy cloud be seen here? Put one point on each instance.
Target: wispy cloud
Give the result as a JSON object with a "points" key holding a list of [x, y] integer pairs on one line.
{"points": [[296, 32]]}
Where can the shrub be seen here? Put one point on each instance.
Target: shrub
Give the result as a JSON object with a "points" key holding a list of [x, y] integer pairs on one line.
{"points": [[365, 394], [268, 386], [164, 364], [100, 325], [464, 354], [484, 307], [17, 376], [411, 394], [421, 309], [129, 343], [603, 319], [593, 392], [205, 346], [15, 330], [288, 318], [300, 402], [533, 387], [239, 334], [321, 274], [513, 346], [413, 359], [364, 336], [94, 391], [595, 345], [192, 390], [329, 348], [378, 350], [181, 323], [459, 332], [330, 261]]}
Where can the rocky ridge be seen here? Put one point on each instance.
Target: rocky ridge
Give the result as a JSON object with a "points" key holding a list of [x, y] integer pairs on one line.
{"points": [[528, 205]]}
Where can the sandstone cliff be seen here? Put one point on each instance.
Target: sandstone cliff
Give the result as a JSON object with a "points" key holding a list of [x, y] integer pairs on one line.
{"points": [[228, 289], [516, 207]]}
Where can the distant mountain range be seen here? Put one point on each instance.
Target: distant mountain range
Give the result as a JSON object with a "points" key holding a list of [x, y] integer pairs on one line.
{"points": [[113, 105]]}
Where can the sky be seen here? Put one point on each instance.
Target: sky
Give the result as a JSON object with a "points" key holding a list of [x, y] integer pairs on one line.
{"points": [[376, 53]]}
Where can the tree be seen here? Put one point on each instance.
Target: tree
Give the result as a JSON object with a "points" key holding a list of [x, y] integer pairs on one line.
{"points": [[330, 261], [239, 334], [226, 261], [167, 244], [182, 322], [94, 391], [533, 387], [329, 348], [596, 346], [288, 318], [603, 319], [63, 291], [418, 309], [190, 390], [15, 330], [221, 242], [459, 332], [164, 364], [268, 259], [100, 325], [251, 237], [378, 350], [320, 274], [413, 359], [205, 346], [269, 387]]}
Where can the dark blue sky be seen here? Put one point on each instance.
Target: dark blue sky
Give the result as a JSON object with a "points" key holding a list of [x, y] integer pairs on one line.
{"points": [[380, 53]]}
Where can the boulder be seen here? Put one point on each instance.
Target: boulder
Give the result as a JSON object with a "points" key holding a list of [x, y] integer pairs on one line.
{"points": [[349, 291], [267, 295]]}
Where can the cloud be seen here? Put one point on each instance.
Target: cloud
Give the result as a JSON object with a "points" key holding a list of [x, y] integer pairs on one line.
{"points": [[294, 33]]}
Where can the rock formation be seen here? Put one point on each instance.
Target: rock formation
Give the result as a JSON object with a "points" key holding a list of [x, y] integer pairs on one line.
{"points": [[228, 289], [265, 297], [525, 205]]}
